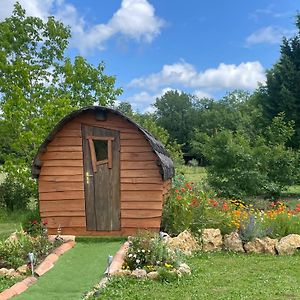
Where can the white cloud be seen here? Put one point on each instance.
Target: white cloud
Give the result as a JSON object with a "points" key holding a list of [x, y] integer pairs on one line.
{"points": [[144, 100], [201, 94], [244, 76], [35, 8], [268, 35], [135, 19]]}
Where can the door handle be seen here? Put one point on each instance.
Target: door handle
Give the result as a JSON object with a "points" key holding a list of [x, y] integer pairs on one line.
{"points": [[87, 175]]}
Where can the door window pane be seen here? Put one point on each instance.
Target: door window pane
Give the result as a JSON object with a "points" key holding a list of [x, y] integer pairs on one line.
{"points": [[100, 150]]}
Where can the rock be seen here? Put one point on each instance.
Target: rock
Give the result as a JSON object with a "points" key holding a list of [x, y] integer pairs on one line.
{"points": [[232, 242], [139, 273], [211, 240], [265, 245], [153, 275], [184, 269], [121, 273], [270, 245], [3, 271], [184, 242], [23, 269], [288, 244], [12, 273]]}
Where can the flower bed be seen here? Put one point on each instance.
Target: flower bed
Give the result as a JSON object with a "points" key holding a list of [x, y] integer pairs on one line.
{"points": [[149, 255], [190, 208]]}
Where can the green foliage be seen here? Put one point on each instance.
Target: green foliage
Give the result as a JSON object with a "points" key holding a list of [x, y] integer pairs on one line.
{"points": [[149, 251], [189, 207], [14, 195], [39, 85], [175, 113], [240, 165], [179, 206], [283, 224], [7, 281], [281, 93]]}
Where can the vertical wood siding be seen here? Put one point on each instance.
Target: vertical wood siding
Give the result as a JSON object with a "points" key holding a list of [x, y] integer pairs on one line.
{"points": [[61, 185]]}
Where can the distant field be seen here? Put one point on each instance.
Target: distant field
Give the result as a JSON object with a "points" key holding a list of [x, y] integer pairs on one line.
{"points": [[194, 174]]}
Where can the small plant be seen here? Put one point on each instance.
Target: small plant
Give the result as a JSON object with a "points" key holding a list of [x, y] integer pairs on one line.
{"points": [[147, 251]]}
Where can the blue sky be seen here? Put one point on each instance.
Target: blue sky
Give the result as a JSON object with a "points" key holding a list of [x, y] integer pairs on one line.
{"points": [[201, 47]]}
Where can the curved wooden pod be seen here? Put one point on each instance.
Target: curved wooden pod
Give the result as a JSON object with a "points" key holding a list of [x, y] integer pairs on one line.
{"points": [[59, 167]]}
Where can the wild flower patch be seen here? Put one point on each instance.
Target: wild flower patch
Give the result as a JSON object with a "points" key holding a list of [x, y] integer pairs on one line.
{"points": [[189, 207]]}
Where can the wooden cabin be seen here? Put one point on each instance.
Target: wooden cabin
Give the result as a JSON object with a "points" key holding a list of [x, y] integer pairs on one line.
{"points": [[100, 173]]}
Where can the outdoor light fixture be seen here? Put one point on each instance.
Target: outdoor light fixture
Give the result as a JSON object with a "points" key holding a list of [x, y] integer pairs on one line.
{"points": [[31, 260]]}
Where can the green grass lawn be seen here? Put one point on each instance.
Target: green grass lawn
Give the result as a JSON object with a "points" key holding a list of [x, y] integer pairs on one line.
{"points": [[193, 174], [220, 276], [75, 273]]}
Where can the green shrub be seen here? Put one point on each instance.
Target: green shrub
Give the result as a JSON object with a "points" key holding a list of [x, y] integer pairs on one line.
{"points": [[243, 165], [14, 195]]}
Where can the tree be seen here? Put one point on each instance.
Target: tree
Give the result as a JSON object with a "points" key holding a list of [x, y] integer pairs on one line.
{"points": [[39, 84], [236, 111], [281, 93], [174, 112], [148, 122]]}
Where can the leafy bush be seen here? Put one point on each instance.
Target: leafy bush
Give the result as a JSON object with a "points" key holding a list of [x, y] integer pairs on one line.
{"points": [[241, 165], [14, 195], [149, 252]]}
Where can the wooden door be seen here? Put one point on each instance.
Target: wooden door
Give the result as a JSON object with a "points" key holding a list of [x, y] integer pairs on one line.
{"points": [[101, 157]]}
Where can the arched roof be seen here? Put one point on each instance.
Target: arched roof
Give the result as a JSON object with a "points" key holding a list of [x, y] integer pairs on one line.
{"points": [[165, 162]]}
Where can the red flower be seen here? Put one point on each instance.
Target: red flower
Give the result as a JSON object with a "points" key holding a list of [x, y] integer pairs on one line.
{"points": [[178, 197], [34, 222], [177, 191], [213, 202], [183, 189], [188, 185], [45, 222], [194, 202], [225, 206]]}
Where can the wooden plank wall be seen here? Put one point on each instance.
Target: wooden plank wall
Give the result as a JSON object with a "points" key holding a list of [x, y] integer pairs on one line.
{"points": [[61, 187]]}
